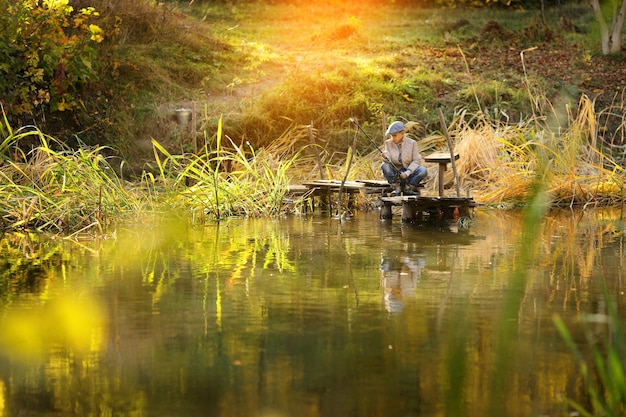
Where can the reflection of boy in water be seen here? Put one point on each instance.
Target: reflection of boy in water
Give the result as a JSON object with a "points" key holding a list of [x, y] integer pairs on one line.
{"points": [[399, 278]]}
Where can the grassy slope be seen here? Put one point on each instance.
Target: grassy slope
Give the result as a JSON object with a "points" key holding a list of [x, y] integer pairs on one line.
{"points": [[266, 69]]}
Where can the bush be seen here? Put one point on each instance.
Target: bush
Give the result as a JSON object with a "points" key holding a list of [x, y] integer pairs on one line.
{"points": [[46, 55]]}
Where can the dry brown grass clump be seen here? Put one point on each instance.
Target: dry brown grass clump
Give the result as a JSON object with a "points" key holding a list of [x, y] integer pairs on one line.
{"points": [[502, 162]]}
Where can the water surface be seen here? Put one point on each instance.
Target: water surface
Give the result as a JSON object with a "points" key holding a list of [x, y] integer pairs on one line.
{"points": [[305, 317]]}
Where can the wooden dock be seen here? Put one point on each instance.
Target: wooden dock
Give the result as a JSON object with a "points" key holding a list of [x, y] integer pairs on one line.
{"points": [[325, 190], [428, 209], [441, 208], [414, 208]]}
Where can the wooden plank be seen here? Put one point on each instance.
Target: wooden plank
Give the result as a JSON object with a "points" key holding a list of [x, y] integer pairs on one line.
{"points": [[440, 157], [375, 183], [298, 188], [334, 184], [400, 199]]}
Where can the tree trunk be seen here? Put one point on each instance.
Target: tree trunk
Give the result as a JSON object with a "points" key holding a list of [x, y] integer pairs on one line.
{"points": [[616, 34], [611, 37]]}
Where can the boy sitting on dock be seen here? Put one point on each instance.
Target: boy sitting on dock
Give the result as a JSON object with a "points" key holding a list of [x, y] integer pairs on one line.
{"points": [[402, 166]]}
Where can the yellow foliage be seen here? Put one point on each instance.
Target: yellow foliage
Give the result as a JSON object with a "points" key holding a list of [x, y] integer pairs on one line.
{"points": [[58, 4], [608, 187], [96, 33]]}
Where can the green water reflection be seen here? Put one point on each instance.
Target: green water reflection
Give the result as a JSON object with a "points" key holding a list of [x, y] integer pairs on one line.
{"points": [[303, 317]]}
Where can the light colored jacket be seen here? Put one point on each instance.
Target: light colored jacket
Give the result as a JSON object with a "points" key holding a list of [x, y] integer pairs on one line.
{"points": [[411, 157]]}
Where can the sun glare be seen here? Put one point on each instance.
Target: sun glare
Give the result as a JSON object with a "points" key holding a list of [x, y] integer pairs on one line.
{"points": [[30, 333]]}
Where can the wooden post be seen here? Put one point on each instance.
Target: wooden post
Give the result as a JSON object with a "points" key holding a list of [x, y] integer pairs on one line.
{"points": [[317, 152], [345, 177], [385, 211], [447, 135], [442, 171], [194, 133], [408, 212]]}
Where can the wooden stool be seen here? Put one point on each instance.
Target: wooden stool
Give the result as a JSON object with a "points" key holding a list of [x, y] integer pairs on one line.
{"points": [[443, 159]]}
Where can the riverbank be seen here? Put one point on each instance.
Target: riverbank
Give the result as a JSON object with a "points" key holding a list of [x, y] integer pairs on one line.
{"points": [[277, 112]]}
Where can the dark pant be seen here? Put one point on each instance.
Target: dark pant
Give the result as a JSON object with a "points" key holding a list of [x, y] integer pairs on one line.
{"points": [[391, 174]]}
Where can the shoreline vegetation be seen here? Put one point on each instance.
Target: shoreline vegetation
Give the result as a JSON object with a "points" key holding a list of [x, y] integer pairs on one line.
{"points": [[272, 86], [74, 192]]}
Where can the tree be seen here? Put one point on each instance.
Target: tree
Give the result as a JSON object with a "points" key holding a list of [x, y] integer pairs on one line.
{"points": [[611, 36]]}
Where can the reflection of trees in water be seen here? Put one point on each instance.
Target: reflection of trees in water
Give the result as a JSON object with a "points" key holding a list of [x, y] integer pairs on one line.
{"points": [[26, 263], [252, 314]]}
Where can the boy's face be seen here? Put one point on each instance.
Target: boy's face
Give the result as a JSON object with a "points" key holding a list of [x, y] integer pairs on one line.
{"points": [[397, 137]]}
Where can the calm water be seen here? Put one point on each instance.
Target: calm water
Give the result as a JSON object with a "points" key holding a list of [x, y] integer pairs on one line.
{"points": [[305, 317]]}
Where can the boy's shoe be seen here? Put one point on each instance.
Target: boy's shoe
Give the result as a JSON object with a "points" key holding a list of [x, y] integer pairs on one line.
{"points": [[411, 190], [396, 189]]}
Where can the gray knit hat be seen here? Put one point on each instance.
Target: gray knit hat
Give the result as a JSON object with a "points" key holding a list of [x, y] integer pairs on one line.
{"points": [[395, 127]]}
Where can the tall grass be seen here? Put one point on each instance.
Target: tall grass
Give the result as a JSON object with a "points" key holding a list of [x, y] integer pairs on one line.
{"points": [[540, 166], [601, 367], [56, 189], [226, 180], [498, 160]]}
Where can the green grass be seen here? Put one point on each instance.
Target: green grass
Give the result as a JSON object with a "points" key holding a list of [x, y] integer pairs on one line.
{"points": [[264, 68], [225, 181], [61, 191], [600, 361], [58, 190]]}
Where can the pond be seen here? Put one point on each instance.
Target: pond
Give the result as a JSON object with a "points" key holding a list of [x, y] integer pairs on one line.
{"points": [[306, 317]]}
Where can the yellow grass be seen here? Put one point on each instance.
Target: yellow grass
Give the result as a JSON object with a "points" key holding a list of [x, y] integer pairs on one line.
{"points": [[500, 162]]}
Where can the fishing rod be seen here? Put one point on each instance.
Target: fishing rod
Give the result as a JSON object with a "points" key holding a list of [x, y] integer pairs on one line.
{"points": [[366, 135], [376, 145]]}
